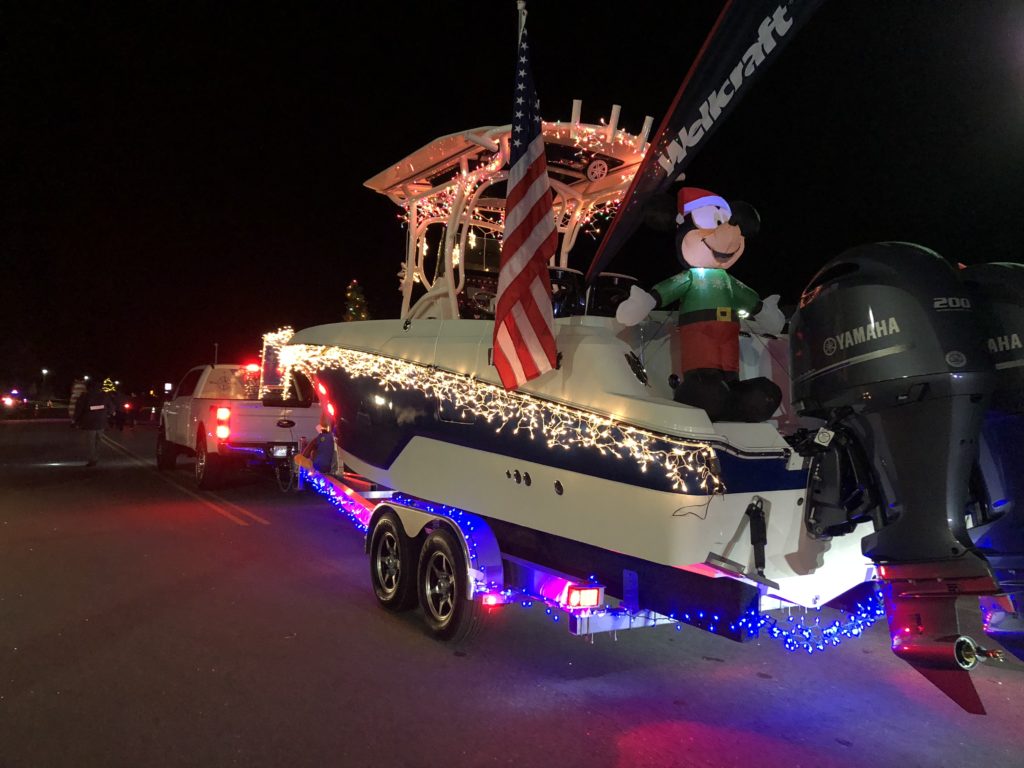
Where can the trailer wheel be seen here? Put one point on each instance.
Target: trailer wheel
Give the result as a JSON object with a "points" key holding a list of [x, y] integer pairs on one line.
{"points": [[209, 471], [166, 452], [449, 613], [392, 564]]}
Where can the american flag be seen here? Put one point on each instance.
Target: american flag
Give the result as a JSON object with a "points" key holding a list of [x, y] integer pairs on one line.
{"points": [[524, 337]]}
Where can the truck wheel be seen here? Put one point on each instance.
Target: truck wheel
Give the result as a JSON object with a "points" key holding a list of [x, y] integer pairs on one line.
{"points": [[392, 564], [209, 471], [447, 609], [166, 452]]}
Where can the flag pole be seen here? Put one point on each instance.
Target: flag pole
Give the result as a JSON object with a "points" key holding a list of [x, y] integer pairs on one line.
{"points": [[524, 328]]}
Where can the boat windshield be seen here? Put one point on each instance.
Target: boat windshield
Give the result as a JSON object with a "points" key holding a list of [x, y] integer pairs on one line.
{"points": [[483, 253]]}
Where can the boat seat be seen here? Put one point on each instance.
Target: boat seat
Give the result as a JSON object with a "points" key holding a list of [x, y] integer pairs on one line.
{"points": [[608, 291], [435, 304], [478, 296], [567, 297]]}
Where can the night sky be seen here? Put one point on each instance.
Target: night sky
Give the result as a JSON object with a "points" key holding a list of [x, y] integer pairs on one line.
{"points": [[178, 174]]}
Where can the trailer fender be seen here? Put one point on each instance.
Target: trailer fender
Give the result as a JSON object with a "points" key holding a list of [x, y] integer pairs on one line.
{"points": [[479, 545]]}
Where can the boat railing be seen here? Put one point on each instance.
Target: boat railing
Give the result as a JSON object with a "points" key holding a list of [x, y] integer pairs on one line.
{"points": [[447, 182]]}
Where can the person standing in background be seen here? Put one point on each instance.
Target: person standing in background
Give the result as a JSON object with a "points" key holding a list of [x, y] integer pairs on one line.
{"points": [[77, 388], [91, 411], [118, 402]]}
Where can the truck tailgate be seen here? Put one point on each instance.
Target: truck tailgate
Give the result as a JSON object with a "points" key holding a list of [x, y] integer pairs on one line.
{"points": [[254, 422]]}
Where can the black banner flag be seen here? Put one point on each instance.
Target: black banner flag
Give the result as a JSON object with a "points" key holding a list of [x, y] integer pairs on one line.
{"points": [[746, 37]]}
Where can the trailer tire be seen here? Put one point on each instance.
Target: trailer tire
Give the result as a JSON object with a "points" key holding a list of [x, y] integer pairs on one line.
{"points": [[209, 470], [441, 584], [166, 452], [392, 564]]}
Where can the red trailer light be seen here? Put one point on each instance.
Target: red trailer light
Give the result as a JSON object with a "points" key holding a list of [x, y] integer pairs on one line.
{"points": [[252, 368], [583, 597], [322, 388], [330, 409], [223, 431], [223, 414]]}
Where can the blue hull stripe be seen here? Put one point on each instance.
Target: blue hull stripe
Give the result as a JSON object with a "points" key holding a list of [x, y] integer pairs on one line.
{"points": [[376, 425]]}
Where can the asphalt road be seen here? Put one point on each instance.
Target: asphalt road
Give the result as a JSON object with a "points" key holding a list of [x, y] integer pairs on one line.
{"points": [[143, 623]]}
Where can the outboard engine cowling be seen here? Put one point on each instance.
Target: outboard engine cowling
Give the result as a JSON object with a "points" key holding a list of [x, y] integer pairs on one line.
{"points": [[886, 334], [887, 350], [997, 508], [998, 289]]}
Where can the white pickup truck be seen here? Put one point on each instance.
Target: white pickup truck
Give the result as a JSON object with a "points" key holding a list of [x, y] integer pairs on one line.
{"points": [[217, 416]]}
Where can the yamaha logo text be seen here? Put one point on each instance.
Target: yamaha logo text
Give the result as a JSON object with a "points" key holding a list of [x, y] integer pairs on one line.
{"points": [[861, 334], [1005, 343]]}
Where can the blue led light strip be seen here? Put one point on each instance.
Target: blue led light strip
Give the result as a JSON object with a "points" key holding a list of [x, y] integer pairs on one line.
{"points": [[349, 507], [795, 633]]}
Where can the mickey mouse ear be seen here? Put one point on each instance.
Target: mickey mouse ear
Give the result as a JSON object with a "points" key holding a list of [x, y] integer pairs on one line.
{"points": [[746, 217]]}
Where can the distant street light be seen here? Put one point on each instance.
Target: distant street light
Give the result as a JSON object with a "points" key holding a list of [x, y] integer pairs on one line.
{"points": [[45, 371], [86, 377]]}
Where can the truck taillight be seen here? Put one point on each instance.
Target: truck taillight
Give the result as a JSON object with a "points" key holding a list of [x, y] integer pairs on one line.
{"points": [[578, 596], [223, 428]]}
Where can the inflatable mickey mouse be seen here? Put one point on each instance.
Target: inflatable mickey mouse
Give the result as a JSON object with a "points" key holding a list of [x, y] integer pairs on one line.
{"points": [[711, 239]]}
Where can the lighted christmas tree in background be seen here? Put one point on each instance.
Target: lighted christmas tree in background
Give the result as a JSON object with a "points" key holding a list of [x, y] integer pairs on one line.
{"points": [[355, 303]]}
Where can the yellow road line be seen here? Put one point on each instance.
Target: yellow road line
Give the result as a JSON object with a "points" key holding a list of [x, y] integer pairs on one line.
{"points": [[238, 508], [139, 460]]}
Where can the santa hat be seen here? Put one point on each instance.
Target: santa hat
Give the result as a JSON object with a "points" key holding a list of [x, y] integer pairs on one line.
{"points": [[694, 197]]}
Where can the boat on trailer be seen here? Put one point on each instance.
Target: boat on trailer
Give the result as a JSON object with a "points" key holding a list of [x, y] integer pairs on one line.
{"points": [[591, 477]]}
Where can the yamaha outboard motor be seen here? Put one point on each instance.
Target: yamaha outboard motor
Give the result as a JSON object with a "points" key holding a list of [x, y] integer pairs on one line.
{"points": [[887, 351], [996, 511]]}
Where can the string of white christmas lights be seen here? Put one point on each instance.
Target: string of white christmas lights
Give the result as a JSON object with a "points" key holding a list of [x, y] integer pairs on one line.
{"points": [[560, 426]]}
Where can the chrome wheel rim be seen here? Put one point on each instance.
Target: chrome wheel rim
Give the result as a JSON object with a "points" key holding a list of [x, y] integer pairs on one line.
{"points": [[388, 563], [440, 587], [201, 460]]}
